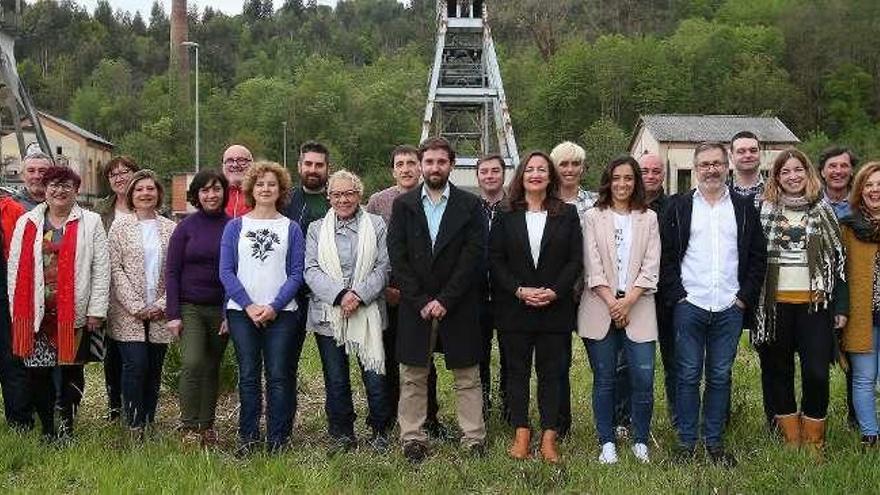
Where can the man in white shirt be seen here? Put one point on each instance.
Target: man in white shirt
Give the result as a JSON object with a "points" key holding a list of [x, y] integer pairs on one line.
{"points": [[713, 265]]}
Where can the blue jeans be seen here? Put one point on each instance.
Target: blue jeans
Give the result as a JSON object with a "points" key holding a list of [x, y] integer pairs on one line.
{"points": [[864, 373], [337, 387], [639, 357], [273, 345], [704, 337], [141, 377]]}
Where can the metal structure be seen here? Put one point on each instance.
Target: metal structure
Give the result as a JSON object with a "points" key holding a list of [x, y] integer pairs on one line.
{"points": [[466, 101], [13, 94]]}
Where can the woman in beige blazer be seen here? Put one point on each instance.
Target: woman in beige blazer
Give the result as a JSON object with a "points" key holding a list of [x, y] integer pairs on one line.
{"points": [[617, 312], [138, 247]]}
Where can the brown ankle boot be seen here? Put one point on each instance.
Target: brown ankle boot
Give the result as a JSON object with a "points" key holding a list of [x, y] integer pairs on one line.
{"points": [[790, 426], [548, 447], [813, 435], [520, 447]]}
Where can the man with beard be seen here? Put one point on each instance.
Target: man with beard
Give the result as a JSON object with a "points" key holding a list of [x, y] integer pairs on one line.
{"points": [[713, 262], [435, 242], [490, 180], [236, 161], [405, 171], [836, 165]]}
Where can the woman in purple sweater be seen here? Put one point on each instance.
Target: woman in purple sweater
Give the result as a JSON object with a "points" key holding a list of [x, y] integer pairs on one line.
{"points": [[261, 267], [195, 308]]}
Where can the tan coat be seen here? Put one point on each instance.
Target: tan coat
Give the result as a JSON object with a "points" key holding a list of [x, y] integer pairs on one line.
{"points": [[128, 293], [858, 332], [600, 258]]}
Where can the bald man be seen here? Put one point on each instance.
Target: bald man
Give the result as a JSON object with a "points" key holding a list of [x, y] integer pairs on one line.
{"points": [[653, 176], [236, 161]]}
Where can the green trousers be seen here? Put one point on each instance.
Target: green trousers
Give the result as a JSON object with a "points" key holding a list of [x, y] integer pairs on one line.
{"points": [[201, 351]]}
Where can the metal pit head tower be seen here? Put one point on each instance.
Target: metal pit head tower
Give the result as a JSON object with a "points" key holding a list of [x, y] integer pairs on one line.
{"points": [[466, 101]]}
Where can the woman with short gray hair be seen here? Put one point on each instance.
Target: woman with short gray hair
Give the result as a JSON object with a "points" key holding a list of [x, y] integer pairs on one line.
{"points": [[346, 268]]}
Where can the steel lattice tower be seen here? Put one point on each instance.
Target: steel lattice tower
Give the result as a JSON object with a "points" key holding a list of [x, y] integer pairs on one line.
{"points": [[466, 101]]}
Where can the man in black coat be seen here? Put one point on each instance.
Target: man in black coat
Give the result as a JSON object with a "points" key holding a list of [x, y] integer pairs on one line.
{"points": [[713, 262], [436, 240]]}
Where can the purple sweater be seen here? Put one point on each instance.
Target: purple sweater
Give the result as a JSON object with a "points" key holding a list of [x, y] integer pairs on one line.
{"points": [[229, 266], [192, 270]]}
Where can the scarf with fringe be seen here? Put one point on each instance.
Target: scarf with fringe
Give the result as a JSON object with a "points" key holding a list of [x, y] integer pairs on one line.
{"points": [[826, 259]]}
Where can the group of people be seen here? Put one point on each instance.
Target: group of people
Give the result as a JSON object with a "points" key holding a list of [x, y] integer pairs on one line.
{"points": [[425, 267]]}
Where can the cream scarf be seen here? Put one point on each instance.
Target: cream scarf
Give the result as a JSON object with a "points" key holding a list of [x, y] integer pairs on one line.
{"points": [[361, 333]]}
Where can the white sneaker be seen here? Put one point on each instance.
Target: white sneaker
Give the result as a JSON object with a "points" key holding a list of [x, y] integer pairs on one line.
{"points": [[640, 450], [609, 454]]}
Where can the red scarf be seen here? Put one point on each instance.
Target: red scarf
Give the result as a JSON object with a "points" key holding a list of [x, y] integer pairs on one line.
{"points": [[23, 299]]}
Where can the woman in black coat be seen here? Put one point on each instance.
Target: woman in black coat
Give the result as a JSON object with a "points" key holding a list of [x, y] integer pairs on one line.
{"points": [[536, 253]]}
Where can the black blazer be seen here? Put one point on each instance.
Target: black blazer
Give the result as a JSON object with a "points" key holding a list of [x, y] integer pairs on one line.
{"points": [[560, 264], [449, 273], [675, 233]]}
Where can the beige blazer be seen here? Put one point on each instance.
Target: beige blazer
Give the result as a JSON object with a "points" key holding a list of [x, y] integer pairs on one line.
{"points": [[600, 258], [128, 292]]}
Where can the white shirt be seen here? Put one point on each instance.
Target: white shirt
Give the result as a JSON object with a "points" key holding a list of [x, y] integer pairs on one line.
{"points": [[152, 255], [710, 265], [262, 259], [535, 221], [623, 241]]}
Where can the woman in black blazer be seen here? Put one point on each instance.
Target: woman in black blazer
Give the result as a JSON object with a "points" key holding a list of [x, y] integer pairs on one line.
{"points": [[536, 253]]}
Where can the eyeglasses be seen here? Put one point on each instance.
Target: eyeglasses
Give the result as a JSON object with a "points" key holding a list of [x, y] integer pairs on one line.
{"points": [[716, 165], [337, 195], [237, 161], [119, 175], [62, 186]]}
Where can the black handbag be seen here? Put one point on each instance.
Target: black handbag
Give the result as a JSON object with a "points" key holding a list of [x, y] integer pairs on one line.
{"points": [[91, 345]]}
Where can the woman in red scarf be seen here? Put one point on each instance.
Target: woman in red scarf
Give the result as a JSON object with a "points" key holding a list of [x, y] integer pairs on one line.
{"points": [[59, 284]]}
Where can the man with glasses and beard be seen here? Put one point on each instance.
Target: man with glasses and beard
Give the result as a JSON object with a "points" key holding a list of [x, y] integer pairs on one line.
{"points": [[435, 242], [236, 161]]}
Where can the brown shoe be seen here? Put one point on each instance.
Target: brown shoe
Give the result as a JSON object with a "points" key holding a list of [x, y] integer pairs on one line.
{"points": [[790, 427], [209, 438], [520, 447], [548, 447], [813, 435]]}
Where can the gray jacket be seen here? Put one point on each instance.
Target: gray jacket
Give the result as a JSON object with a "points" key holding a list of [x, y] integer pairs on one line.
{"points": [[325, 290]]}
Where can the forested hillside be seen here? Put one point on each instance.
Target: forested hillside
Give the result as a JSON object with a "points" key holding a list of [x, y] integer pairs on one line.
{"points": [[356, 76]]}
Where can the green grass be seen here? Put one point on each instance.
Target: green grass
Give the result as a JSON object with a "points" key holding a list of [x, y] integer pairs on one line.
{"points": [[100, 459]]}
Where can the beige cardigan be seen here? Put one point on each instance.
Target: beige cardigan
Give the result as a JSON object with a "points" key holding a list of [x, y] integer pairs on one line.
{"points": [[600, 258], [128, 294], [91, 270]]}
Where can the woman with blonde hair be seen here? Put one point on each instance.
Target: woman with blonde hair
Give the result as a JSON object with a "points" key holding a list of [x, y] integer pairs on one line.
{"points": [[804, 296], [261, 268], [861, 335]]}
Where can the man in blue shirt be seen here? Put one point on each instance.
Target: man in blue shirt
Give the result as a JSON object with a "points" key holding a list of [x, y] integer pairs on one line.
{"points": [[435, 242]]}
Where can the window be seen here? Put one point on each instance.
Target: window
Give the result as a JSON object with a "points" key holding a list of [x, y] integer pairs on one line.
{"points": [[684, 180]]}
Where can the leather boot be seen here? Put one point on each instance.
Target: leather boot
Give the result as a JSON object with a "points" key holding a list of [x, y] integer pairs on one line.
{"points": [[548, 447], [813, 435], [790, 426], [520, 447]]}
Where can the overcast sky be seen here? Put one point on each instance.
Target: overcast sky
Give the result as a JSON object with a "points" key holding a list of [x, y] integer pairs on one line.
{"points": [[231, 7]]}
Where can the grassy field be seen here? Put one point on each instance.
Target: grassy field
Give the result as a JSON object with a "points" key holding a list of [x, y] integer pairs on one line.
{"points": [[100, 459]]}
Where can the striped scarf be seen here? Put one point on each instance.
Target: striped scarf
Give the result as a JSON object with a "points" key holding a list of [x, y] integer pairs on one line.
{"points": [[826, 259]]}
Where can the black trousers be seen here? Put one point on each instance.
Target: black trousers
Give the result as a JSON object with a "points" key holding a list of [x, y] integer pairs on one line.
{"points": [[113, 377], [44, 395], [487, 329], [564, 422], [17, 404], [811, 336], [666, 339], [547, 348]]}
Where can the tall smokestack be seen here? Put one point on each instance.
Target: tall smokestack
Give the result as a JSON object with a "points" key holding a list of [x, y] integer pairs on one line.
{"points": [[179, 55]]}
